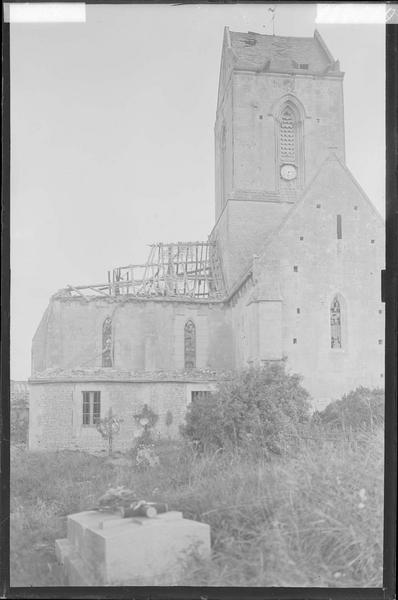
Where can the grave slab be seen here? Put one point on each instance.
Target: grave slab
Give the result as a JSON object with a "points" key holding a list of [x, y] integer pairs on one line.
{"points": [[103, 549]]}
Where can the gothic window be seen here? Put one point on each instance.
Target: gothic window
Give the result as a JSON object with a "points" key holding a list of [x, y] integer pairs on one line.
{"points": [[107, 346], [335, 324], [91, 408], [190, 345], [287, 136]]}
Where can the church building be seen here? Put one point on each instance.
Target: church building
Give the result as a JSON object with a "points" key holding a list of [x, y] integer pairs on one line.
{"points": [[291, 270]]}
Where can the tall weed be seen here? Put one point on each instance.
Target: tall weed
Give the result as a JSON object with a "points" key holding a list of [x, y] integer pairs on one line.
{"points": [[312, 516]]}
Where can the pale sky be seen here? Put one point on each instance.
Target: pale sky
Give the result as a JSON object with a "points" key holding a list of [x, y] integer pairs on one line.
{"points": [[112, 137]]}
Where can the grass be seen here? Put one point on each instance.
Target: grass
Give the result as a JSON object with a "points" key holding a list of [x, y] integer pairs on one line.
{"points": [[312, 517]]}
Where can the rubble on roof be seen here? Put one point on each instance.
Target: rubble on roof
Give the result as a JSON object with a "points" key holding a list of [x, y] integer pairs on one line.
{"points": [[112, 374]]}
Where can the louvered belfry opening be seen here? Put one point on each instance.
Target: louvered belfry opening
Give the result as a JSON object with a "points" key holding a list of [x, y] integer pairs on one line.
{"points": [[288, 136]]}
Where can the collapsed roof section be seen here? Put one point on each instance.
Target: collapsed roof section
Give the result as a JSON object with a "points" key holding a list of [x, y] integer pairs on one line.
{"points": [[181, 270]]}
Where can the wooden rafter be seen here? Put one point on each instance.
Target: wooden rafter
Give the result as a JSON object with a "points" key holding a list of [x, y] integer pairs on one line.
{"points": [[185, 269]]}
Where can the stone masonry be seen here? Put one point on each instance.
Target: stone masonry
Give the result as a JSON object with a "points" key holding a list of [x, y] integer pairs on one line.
{"points": [[296, 243]]}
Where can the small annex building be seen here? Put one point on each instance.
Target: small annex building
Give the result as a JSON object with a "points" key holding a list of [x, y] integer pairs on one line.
{"points": [[291, 269]]}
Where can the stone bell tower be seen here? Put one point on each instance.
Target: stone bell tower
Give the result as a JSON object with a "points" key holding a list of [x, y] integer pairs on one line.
{"points": [[279, 115]]}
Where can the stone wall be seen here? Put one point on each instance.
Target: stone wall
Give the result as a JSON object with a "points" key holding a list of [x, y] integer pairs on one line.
{"points": [[255, 97], [56, 415], [311, 266], [255, 198], [241, 232], [148, 335]]}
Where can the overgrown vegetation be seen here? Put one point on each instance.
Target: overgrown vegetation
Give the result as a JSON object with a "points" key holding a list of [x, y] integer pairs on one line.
{"points": [[360, 409], [259, 406], [310, 515], [19, 422]]}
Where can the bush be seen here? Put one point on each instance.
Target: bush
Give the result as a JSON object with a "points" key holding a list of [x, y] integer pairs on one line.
{"points": [[19, 423], [260, 404], [362, 408]]}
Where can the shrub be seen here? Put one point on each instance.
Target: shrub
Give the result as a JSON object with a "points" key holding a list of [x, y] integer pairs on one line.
{"points": [[19, 423], [362, 408], [262, 404]]}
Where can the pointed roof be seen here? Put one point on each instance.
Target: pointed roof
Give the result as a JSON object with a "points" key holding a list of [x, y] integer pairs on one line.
{"points": [[275, 53]]}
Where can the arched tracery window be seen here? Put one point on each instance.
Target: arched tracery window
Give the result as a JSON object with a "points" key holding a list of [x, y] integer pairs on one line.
{"points": [[190, 345], [288, 136], [335, 323], [107, 345]]}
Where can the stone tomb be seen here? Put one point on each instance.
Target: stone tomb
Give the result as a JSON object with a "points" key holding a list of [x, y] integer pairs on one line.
{"points": [[104, 549]]}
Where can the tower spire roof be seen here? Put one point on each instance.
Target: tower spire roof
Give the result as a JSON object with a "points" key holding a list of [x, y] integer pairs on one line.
{"points": [[256, 51]]}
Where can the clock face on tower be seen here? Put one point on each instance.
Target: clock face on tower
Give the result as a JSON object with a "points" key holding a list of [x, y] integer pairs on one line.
{"points": [[288, 172]]}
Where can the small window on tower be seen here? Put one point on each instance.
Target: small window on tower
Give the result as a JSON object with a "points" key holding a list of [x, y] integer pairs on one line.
{"points": [[339, 227]]}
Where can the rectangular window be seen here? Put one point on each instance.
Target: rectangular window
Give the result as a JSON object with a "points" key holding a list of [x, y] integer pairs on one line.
{"points": [[96, 407], [91, 408], [86, 408], [200, 395], [339, 227]]}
